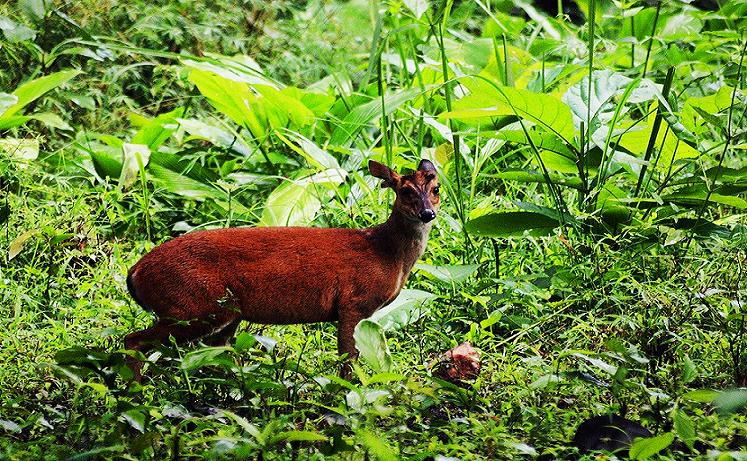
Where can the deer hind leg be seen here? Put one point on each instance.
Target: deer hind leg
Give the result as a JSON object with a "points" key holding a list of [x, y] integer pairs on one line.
{"points": [[182, 331], [222, 336]]}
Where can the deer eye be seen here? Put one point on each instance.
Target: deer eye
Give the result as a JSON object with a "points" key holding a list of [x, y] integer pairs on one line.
{"points": [[436, 190]]}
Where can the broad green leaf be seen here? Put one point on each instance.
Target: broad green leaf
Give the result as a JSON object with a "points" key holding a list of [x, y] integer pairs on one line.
{"points": [[135, 418], [487, 100], [316, 156], [21, 150], [701, 395], [596, 106], [244, 342], [418, 7], [680, 26], [371, 343], [599, 363], [698, 197], [107, 164], [671, 147], [367, 113], [9, 426], [34, 89], [296, 202], [645, 448], [135, 157], [51, 120], [684, 427], [537, 177], [7, 101], [15, 32], [203, 357], [731, 401], [407, 307], [449, 274], [16, 246], [512, 224], [35, 9], [216, 135], [231, 98], [281, 109], [239, 68], [157, 130], [185, 186]]}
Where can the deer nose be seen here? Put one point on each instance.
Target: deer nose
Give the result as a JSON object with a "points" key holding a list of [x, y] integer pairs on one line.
{"points": [[427, 215]]}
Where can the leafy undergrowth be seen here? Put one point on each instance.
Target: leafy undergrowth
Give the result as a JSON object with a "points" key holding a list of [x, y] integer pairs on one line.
{"points": [[591, 241]]}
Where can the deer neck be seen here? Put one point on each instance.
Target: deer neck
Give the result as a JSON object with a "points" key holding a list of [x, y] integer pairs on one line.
{"points": [[403, 238]]}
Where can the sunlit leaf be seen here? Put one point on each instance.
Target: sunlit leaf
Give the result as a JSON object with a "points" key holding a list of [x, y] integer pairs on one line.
{"points": [[135, 157], [371, 343], [645, 448], [407, 308], [296, 202], [512, 224], [30, 91], [448, 274], [367, 113]]}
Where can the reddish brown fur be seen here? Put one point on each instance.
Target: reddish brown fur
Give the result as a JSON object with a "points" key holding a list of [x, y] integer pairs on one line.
{"points": [[202, 284]]}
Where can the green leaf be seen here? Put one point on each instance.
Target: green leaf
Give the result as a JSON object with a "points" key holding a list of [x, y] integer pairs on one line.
{"points": [[529, 176], [215, 135], [7, 101], [317, 157], [701, 395], [34, 89], [183, 185], [9, 426], [244, 342], [448, 274], [296, 202], [136, 156], [378, 447], [135, 418], [371, 343], [157, 130], [689, 370], [697, 197], [15, 247], [203, 357], [34, 9], [296, 436], [599, 363], [233, 99], [407, 307], [512, 224], [15, 32], [51, 120], [366, 113], [487, 100], [731, 401], [418, 7], [20, 150], [684, 427], [642, 449]]}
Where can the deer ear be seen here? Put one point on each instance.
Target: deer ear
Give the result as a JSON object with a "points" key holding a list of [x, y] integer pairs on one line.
{"points": [[381, 171], [426, 165]]}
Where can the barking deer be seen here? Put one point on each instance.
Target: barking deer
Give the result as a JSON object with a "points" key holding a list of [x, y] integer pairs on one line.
{"points": [[201, 285]]}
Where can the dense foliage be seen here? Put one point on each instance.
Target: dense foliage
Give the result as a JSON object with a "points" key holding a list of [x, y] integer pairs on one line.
{"points": [[591, 242]]}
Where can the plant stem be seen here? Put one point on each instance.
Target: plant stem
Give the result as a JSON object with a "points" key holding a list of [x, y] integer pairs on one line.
{"points": [[651, 38], [654, 131]]}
